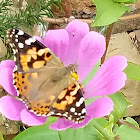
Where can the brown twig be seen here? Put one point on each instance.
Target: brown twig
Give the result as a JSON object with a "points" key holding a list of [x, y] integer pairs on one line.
{"points": [[89, 21], [108, 35], [120, 122], [64, 20]]}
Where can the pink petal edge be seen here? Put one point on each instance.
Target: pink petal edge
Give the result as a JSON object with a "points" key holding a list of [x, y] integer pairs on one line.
{"points": [[8, 63], [58, 42], [91, 50], [11, 108], [109, 79], [6, 80], [61, 124], [100, 107], [31, 119], [76, 30]]}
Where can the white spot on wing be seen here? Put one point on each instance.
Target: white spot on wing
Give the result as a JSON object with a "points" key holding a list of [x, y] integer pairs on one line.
{"points": [[16, 40], [69, 118], [59, 114], [79, 114], [14, 58], [75, 113], [27, 42], [65, 115], [30, 40], [81, 100], [83, 111], [20, 32], [77, 104], [14, 51], [21, 45], [72, 109]]}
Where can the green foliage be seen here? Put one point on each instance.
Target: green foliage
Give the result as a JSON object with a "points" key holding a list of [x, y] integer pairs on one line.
{"points": [[97, 129], [127, 133], [24, 18], [88, 132], [18, 17], [108, 11], [133, 71], [39, 132], [132, 122], [44, 133], [120, 105], [126, 1], [1, 137]]}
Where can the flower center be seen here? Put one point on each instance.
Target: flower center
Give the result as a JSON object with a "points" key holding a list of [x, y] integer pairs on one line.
{"points": [[73, 74], [73, 69]]}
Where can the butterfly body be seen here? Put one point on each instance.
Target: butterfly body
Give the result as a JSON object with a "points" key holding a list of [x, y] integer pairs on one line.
{"points": [[43, 83]]}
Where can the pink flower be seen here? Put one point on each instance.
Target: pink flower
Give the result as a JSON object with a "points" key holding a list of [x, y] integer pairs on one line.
{"points": [[71, 45]]}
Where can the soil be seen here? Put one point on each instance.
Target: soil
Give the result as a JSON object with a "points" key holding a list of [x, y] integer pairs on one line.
{"points": [[77, 8]]}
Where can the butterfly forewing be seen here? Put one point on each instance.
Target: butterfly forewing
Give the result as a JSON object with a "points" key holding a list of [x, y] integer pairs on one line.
{"points": [[42, 82]]}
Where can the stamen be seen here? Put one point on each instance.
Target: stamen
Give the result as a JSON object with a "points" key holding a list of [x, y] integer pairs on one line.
{"points": [[75, 75]]}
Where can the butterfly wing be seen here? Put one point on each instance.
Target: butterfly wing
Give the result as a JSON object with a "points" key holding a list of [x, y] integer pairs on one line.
{"points": [[43, 83]]}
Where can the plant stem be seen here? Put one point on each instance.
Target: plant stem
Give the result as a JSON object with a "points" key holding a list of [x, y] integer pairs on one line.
{"points": [[121, 122], [102, 131], [108, 35]]}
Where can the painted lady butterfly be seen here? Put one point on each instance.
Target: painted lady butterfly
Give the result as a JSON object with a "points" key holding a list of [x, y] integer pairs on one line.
{"points": [[43, 83]]}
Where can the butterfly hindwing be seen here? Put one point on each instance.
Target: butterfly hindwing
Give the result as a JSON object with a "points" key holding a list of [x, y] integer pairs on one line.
{"points": [[42, 82]]}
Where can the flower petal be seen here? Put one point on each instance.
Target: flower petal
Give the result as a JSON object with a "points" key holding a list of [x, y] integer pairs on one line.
{"points": [[8, 63], [11, 108], [92, 49], [61, 124], [6, 80], [31, 119], [100, 107], [108, 79], [76, 30], [57, 41]]}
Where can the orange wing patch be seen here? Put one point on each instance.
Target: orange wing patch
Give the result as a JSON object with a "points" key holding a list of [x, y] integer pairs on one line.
{"points": [[41, 108], [35, 59], [22, 84], [66, 97]]}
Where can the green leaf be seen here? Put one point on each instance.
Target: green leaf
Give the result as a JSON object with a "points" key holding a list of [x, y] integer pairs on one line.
{"points": [[1, 137], [120, 105], [133, 71], [101, 121], [121, 1], [86, 133], [92, 73], [126, 1], [132, 122], [107, 125], [44, 133], [127, 133], [39, 132], [108, 11], [131, 1]]}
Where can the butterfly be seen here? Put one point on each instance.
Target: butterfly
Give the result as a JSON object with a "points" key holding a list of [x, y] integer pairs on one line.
{"points": [[42, 81]]}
